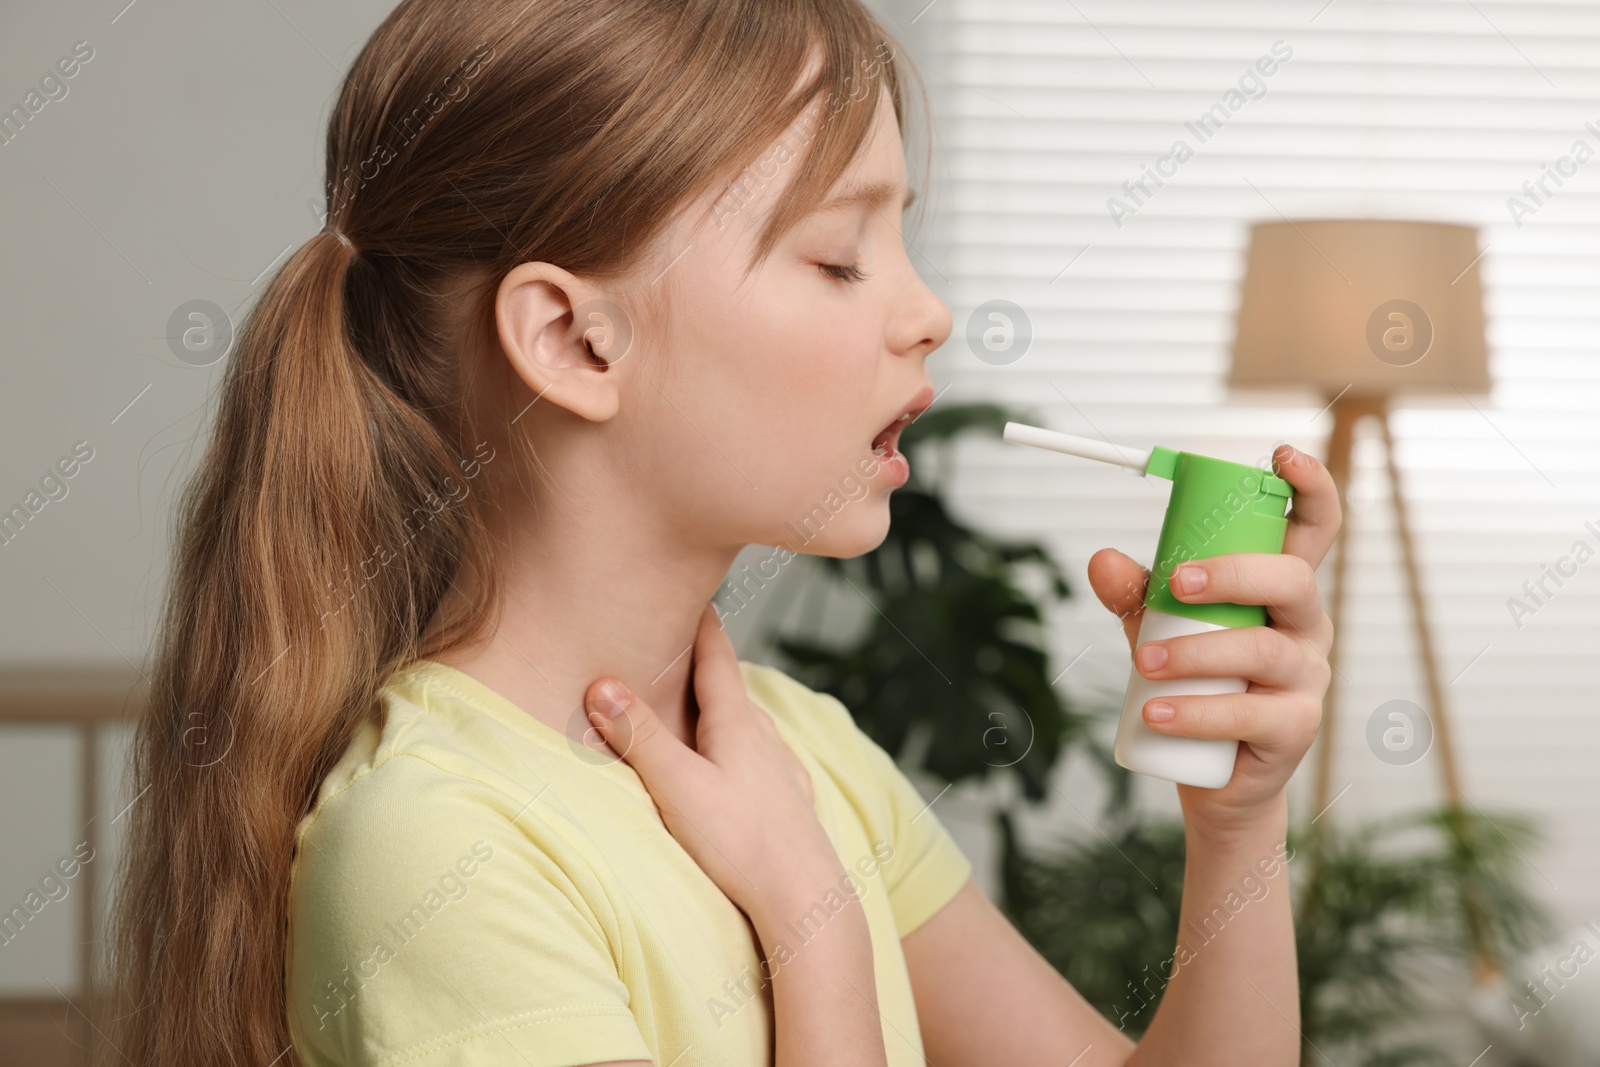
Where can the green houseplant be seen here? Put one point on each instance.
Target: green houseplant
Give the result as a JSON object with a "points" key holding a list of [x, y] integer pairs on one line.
{"points": [[1380, 917]]}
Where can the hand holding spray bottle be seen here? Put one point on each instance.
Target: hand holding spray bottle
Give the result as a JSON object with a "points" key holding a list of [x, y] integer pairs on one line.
{"points": [[1216, 507]]}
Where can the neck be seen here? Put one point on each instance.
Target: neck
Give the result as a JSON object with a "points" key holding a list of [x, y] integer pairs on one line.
{"points": [[589, 591]]}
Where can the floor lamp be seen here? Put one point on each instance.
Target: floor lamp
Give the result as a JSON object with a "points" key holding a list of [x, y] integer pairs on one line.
{"points": [[1364, 311]]}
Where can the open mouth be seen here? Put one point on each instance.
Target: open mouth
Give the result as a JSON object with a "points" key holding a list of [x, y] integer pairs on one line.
{"points": [[889, 437], [886, 444]]}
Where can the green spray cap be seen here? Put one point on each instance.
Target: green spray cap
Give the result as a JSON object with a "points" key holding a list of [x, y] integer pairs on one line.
{"points": [[1216, 507]]}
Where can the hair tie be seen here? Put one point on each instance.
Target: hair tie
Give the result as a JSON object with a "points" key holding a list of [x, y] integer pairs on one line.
{"points": [[331, 228]]}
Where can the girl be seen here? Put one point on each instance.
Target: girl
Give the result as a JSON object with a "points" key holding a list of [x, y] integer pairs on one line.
{"points": [[608, 290]]}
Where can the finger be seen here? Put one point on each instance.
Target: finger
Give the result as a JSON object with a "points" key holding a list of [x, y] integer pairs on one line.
{"points": [[631, 727], [718, 681], [1259, 654], [1315, 515], [1268, 721], [1119, 581], [1286, 585]]}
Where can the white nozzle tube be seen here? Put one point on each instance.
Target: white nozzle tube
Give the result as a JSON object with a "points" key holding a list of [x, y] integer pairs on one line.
{"points": [[1022, 434]]}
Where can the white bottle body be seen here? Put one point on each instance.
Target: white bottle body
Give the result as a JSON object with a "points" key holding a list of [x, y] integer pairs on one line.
{"points": [[1188, 760]]}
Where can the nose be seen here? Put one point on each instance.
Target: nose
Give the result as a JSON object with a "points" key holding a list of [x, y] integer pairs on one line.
{"points": [[925, 320]]}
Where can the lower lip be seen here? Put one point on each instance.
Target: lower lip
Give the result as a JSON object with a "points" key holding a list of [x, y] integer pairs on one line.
{"points": [[895, 467]]}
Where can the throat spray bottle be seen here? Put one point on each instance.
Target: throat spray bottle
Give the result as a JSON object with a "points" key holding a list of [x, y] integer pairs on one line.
{"points": [[1216, 507]]}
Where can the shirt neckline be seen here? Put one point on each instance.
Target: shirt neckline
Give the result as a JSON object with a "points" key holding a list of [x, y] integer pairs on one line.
{"points": [[426, 674]]}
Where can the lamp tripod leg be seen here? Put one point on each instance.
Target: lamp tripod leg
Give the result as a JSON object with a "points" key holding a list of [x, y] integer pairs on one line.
{"points": [[1474, 915], [1346, 413]]}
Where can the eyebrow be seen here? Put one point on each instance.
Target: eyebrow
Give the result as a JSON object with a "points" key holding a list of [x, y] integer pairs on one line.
{"points": [[875, 193]]}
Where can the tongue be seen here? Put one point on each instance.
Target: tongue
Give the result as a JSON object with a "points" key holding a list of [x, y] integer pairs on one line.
{"points": [[881, 443]]}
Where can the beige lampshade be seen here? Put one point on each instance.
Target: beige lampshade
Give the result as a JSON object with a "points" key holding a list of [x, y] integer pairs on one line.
{"points": [[1375, 306]]}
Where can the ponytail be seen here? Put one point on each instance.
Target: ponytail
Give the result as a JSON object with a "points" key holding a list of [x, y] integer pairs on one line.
{"points": [[301, 578]]}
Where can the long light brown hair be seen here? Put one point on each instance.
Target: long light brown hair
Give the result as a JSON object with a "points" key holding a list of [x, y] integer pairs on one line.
{"points": [[327, 517]]}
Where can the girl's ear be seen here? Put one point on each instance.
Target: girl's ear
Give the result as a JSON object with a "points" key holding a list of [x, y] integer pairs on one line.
{"points": [[562, 360]]}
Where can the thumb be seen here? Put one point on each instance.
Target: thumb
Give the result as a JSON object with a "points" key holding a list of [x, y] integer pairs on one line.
{"points": [[718, 685], [631, 728], [1120, 582]]}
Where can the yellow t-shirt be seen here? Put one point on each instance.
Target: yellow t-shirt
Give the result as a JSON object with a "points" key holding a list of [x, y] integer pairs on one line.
{"points": [[472, 888]]}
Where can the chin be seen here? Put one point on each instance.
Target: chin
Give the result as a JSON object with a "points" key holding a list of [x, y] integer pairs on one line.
{"points": [[855, 530]]}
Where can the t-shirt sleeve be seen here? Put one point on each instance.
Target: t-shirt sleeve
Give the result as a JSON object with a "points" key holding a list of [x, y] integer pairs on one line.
{"points": [[926, 867], [427, 930]]}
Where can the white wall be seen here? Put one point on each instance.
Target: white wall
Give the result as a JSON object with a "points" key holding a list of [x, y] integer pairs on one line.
{"points": [[177, 167]]}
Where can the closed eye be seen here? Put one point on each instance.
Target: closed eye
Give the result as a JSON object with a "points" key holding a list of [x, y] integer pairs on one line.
{"points": [[849, 273]]}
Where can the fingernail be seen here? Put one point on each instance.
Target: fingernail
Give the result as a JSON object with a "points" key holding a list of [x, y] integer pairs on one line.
{"points": [[1153, 656], [1158, 711], [611, 698], [1191, 579]]}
